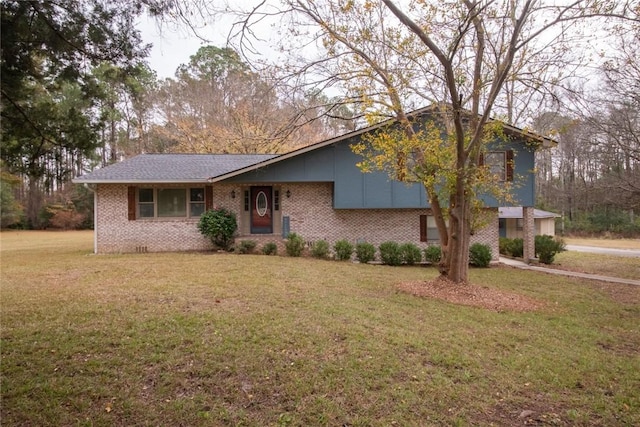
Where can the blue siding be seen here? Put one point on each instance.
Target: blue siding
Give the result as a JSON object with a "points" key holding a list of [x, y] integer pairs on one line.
{"points": [[356, 190], [523, 181]]}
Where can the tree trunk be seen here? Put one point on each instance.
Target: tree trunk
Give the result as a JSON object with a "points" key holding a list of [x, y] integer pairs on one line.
{"points": [[459, 239], [34, 203]]}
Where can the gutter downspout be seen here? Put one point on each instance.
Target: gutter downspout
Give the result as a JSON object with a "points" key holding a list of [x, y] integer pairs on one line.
{"points": [[93, 188]]}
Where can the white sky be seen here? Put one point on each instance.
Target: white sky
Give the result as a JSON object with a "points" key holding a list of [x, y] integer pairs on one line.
{"points": [[173, 47]]}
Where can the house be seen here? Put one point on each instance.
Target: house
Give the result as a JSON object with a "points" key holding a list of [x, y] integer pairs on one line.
{"points": [[152, 202], [511, 222]]}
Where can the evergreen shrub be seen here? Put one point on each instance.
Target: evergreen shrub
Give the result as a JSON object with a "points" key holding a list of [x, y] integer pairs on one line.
{"points": [[294, 245], [411, 253], [270, 248], [365, 252], [433, 254], [343, 250], [547, 247], [479, 255], [320, 249], [390, 253], [220, 226]]}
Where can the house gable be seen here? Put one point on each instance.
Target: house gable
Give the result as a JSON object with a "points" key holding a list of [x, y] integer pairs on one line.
{"points": [[353, 189]]}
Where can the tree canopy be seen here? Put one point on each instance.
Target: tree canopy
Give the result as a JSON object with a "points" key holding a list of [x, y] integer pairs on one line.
{"points": [[48, 91]]}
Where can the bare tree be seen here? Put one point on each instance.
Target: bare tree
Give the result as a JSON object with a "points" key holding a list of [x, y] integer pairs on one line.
{"points": [[466, 56]]}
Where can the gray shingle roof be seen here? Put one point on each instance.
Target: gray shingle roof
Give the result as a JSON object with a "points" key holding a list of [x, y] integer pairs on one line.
{"points": [[172, 168], [516, 212]]}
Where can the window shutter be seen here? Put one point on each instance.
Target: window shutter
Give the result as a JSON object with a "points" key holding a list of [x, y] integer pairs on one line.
{"points": [[481, 160], [509, 165], [131, 197], [423, 228], [208, 197]]}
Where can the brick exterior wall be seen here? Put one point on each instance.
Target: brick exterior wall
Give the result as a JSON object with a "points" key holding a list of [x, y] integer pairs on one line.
{"points": [[115, 233], [310, 209], [528, 233]]}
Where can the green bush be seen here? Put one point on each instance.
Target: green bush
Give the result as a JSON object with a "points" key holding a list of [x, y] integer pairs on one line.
{"points": [[433, 254], [504, 245], [220, 226], [246, 246], [411, 254], [343, 250], [365, 252], [479, 255], [320, 249], [517, 247], [294, 245], [270, 248], [390, 253], [547, 247]]}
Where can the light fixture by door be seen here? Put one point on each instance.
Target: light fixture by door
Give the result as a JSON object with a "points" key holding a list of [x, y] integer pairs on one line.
{"points": [[288, 193]]}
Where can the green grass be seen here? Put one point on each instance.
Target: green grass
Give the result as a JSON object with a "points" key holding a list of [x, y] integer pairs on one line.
{"points": [[606, 265], [604, 242], [215, 339]]}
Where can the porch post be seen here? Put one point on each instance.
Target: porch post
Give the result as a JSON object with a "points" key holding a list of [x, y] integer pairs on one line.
{"points": [[528, 233]]}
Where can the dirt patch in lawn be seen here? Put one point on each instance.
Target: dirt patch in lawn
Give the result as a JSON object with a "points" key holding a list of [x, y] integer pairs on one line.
{"points": [[471, 295]]}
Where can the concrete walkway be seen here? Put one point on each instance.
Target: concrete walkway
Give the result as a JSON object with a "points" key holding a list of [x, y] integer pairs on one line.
{"points": [[520, 264]]}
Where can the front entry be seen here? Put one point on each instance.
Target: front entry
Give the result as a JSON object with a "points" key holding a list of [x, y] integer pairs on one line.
{"points": [[261, 210]]}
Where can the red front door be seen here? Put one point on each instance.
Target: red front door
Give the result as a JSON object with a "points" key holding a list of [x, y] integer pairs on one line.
{"points": [[261, 210]]}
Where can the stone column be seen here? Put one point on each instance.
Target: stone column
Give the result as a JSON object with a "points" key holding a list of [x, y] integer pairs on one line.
{"points": [[528, 234]]}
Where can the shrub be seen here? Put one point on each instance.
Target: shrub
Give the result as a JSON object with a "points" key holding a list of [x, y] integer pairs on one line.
{"points": [[390, 253], [65, 217], [220, 226], [270, 248], [410, 253], [320, 249], [504, 245], [247, 246], [294, 244], [479, 255], [547, 247], [365, 252], [517, 248], [433, 254], [343, 250]]}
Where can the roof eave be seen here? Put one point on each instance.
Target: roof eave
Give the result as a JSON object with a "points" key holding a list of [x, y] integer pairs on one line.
{"points": [[140, 181]]}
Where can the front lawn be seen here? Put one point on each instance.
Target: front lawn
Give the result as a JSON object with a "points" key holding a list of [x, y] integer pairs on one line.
{"points": [[606, 265], [223, 339]]}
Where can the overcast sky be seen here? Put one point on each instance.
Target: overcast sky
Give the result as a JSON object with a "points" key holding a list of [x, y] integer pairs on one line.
{"points": [[172, 47]]}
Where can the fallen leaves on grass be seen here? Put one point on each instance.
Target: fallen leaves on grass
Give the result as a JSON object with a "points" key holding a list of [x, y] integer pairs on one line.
{"points": [[471, 295]]}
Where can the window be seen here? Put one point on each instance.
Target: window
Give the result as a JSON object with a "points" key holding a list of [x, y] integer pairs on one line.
{"points": [[170, 202], [500, 164], [276, 200], [496, 161], [146, 205], [428, 229], [196, 201], [519, 223]]}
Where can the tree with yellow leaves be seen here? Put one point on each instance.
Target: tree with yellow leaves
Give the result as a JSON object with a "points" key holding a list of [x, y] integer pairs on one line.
{"points": [[471, 59]]}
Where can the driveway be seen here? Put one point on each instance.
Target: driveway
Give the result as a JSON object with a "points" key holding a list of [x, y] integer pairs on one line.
{"points": [[605, 251]]}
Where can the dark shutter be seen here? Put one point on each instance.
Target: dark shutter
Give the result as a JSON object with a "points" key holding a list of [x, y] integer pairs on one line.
{"points": [[131, 196], [509, 165], [423, 228], [481, 160], [208, 197]]}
